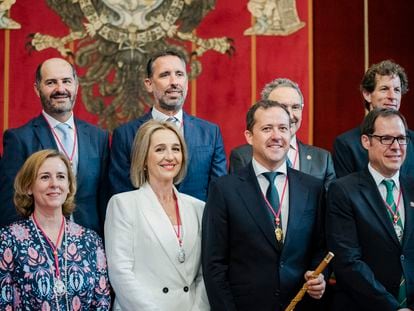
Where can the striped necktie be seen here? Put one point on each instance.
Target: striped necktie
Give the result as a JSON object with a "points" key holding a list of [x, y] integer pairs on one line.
{"points": [[389, 185]]}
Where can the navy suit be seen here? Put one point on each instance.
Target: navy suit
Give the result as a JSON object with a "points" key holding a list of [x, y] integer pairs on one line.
{"points": [[349, 156], [206, 157], [243, 267], [369, 259], [93, 151], [312, 160]]}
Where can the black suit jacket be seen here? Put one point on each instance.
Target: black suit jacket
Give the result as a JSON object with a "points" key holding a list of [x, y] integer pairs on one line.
{"points": [[92, 192], [206, 157], [312, 160], [349, 156], [243, 267], [369, 260]]}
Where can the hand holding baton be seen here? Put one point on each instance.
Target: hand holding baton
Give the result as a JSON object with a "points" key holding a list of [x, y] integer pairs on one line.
{"points": [[304, 288]]}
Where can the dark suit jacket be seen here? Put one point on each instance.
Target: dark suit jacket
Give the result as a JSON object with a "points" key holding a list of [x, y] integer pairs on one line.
{"points": [[349, 156], [312, 160], [91, 195], [206, 157], [369, 260], [243, 267]]}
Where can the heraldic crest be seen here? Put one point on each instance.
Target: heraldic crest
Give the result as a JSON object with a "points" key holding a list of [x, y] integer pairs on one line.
{"points": [[114, 39]]}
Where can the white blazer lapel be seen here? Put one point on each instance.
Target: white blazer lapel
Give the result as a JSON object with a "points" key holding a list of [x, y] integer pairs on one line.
{"points": [[162, 228]]}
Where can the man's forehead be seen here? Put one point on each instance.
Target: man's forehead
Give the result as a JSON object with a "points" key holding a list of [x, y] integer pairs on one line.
{"points": [[386, 78], [271, 114], [388, 124]]}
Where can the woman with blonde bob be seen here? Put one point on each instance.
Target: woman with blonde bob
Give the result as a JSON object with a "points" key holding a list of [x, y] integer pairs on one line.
{"points": [[47, 262], [153, 234]]}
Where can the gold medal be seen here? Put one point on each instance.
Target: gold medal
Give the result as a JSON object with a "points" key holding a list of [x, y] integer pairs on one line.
{"points": [[279, 234]]}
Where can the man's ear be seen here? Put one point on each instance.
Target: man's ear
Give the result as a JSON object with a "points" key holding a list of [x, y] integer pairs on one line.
{"points": [[148, 85], [249, 136], [366, 143], [36, 89], [367, 96]]}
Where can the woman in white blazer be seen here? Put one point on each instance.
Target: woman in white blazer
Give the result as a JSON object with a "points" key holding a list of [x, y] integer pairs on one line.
{"points": [[153, 234]]}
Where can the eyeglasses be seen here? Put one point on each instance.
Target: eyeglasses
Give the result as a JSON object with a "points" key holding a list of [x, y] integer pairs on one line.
{"points": [[389, 140]]}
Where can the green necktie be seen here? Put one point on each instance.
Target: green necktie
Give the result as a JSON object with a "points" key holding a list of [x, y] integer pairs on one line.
{"points": [[389, 185]]}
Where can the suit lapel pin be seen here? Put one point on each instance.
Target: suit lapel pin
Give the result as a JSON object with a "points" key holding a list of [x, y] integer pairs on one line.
{"points": [[412, 204], [309, 157]]}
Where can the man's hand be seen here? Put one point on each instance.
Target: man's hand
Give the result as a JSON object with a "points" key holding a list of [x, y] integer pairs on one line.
{"points": [[316, 286]]}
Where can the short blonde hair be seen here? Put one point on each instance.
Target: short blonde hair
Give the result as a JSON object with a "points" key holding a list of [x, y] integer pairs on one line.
{"points": [[140, 148], [27, 175]]}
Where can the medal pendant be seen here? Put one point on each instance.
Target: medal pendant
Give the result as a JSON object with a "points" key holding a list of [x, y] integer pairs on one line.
{"points": [[59, 287], [181, 255], [279, 234], [398, 231]]}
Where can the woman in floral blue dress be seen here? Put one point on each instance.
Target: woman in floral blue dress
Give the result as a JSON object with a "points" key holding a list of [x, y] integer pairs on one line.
{"points": [[47, 262]]}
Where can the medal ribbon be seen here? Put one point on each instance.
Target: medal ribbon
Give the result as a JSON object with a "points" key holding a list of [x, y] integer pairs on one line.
{"points": [[396, 214], [53, 247], [178, 231], [60, 142], [279, 210], [296, 156]]}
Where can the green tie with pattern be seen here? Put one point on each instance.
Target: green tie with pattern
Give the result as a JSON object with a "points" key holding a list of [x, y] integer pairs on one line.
{"points": [[398, 227]]}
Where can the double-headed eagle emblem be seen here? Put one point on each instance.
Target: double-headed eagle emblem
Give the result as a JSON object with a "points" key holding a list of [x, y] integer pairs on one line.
{"points": [[114, 39]]}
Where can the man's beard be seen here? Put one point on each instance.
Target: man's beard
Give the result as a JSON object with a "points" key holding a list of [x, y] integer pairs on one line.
{"points": [[48, 106], [172, 105]]}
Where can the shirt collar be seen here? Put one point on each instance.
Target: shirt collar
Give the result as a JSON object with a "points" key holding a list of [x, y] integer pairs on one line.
{"points": [[260, 169], [379, 178], [53, 122], [158, 115], [293, 142]]}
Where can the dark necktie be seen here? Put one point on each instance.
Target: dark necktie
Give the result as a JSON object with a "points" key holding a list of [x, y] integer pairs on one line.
{"points": [[389, 185], [272, 197]]}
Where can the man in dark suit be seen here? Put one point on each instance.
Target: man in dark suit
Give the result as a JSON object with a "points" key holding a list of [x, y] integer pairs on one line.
{"points": [[257, 251], [57, 85], [370, 222], [382, 87], [168, 82], [306, 158]]}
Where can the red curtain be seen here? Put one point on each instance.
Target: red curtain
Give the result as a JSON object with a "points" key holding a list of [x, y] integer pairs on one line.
{"points": [[222, 93]]}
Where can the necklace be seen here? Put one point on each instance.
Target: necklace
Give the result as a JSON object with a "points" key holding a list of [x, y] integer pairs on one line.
{"points": [[178, 233], [59, 287]]}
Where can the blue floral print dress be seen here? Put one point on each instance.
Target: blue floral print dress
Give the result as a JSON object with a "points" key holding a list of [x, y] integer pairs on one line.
{"points": [[27, 276]]}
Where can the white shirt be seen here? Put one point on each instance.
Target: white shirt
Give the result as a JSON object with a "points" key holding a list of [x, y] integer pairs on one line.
{"points": [[293, 153], [279, 183]]}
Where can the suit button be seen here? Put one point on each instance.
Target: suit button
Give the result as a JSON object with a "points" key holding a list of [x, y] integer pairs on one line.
{"points": [[165, 290], [402, 257], [185, 288], [277, 293]]}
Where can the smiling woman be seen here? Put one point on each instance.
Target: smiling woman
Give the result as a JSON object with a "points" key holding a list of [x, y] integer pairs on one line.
{"points": [[153, 234], [40, 254]]}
